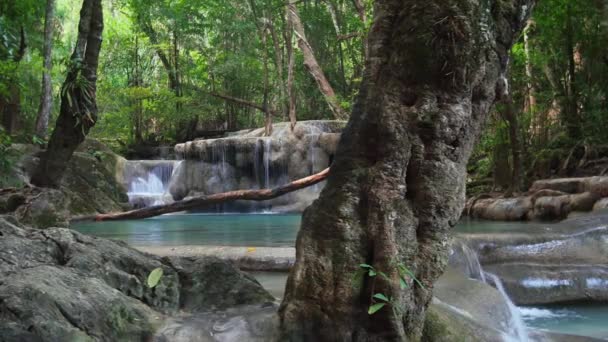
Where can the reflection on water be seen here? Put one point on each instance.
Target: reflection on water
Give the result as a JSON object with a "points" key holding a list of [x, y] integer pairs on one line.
{"points": [[200, 229], [586, 320]]}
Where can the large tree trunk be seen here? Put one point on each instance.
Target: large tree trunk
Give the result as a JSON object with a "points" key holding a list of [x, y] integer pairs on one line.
{"points": [[311, 64], [46, 97], [397, 184], [78, 99]]}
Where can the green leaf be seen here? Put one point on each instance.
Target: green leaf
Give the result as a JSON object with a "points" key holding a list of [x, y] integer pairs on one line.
{"points": [[154, 277], [381, 296], [366, 266], [383, 275], [406, 271], [372, 273], [402, 283], [374, 308]]}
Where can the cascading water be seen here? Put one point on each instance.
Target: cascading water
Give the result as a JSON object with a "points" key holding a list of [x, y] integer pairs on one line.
{"points": [[267, 154], [517, 329], [148, 181]]}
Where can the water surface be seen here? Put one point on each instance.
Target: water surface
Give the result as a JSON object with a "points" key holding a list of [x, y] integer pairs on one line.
{"points": [[263, 230], [200, 229], [586, 320]]}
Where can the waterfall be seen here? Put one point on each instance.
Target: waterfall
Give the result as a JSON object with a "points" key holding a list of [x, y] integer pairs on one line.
{"points": [[148, 182], [267, 154], [473, 264], [257, 158], [517, 328]]}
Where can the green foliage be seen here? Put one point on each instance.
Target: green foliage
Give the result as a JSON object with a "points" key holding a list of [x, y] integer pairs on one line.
{"points": [[154, 277], [379, 300]]}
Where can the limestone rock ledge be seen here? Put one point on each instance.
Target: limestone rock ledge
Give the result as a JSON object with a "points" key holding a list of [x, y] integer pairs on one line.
{"points": [[59, 285], [551, 199]]}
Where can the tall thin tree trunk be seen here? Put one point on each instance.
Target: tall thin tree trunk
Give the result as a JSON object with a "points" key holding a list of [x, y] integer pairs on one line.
{"points": [[396, 187], [539, 119], [510, 116], [46, 97], [311, 64], [10, 105], [78, 99], [570, 111], [291, 94], [363, 16]]}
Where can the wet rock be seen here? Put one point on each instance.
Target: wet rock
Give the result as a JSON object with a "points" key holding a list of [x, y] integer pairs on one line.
{"points": [[60, 285], [563, 262], [558, 207], [601, 204], [251, 324], [532, 284], [502, 209], [250, 160]]}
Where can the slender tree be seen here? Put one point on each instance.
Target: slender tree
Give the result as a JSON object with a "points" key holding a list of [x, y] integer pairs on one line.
{"points": [[10, 104], [396, 187], [46, 97], [311, 64], [78, 98]]}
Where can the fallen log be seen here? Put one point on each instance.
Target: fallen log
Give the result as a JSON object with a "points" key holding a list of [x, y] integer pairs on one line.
{"points": [[202, 201]]}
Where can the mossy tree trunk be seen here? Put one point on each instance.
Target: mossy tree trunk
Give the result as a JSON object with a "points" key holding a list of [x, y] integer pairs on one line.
{"points": [[78, 111], [396, 188]]}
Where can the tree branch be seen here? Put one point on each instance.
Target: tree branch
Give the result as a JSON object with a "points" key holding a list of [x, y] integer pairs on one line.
{"points": [[203, 201]]}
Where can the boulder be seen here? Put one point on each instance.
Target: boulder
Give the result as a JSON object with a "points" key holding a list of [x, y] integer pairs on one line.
{"points": [[601, 204], [91, 184], [558, 207], [567, 185], [503, 209], [36, 206], [57, 285]]}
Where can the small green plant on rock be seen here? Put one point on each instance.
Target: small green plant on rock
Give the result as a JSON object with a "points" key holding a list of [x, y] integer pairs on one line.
{"points": [[379, 300]]}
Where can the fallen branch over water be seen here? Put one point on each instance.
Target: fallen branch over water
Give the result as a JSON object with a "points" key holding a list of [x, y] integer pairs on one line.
{"points": [[203, 201]]}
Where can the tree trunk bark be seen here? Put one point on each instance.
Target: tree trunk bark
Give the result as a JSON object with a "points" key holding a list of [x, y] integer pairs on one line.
{"points": [[78, 99], [291, 94], [46, 97], [311, 64], [397, 184], [203, 201], [539, 120]]}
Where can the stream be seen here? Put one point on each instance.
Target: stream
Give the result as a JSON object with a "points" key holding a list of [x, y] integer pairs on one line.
{"points": [[265, 230]]}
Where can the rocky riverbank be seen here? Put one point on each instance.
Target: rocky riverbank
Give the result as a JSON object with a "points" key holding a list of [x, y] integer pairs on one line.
{"points": [[59, 285], [548, 200]]}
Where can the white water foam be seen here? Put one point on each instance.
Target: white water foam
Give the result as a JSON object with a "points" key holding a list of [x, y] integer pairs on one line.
{"points": [[543, 283], [517, 327]]}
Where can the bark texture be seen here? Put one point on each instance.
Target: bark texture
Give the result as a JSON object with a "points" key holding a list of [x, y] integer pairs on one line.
{"points": [[396, 188], [78, 111], [46, 97]]}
